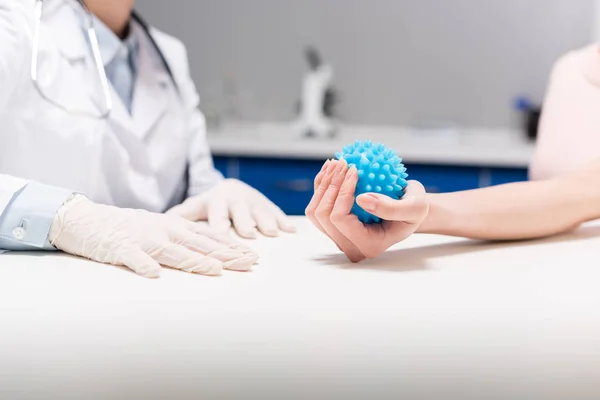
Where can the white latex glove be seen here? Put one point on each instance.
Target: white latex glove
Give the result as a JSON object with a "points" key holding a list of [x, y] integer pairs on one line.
{"points": [[233, 200], [143, 241]]}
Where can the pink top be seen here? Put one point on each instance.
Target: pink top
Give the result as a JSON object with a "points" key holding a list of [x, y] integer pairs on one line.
{"points": [[569, 133]]}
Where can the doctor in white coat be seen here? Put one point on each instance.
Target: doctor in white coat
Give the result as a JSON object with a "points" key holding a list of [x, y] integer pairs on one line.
{"points": [[100, 135]]}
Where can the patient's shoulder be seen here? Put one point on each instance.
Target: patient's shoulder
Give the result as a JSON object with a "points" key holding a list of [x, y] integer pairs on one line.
{"points": [[570, 120], [584, 61]]}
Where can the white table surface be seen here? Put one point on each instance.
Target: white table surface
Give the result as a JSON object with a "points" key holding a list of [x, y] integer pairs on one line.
{"points": [[478, 147], [434, 318]]}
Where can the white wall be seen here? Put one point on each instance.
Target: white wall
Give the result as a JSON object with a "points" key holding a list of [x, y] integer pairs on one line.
{"points": [[596, 22], [396, 60]]}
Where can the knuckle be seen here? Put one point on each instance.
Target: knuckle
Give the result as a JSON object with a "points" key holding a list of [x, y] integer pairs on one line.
{"points": [[310, 210], [321, 213], [337, 217], [415, 184], [344, 191], [334, 187], [321, 189]]}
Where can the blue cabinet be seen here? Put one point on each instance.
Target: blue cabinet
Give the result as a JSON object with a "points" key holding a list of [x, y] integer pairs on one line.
{"points": [[441, 179], [286, 182], [221, 164], [289, 182], [500, 176]]}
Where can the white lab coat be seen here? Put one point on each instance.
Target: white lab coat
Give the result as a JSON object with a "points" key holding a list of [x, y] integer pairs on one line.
{"points": [[139, 160]]}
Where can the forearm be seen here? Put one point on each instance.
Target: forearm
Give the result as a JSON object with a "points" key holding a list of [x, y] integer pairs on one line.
{"points": [[517, 210], [202, 173]]}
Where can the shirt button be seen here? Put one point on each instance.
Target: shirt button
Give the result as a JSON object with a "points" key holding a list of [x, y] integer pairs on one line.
{"points": [[19, 233]]}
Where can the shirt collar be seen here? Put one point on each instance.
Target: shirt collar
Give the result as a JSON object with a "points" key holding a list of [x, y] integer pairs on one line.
{"points": [[109, 44]]}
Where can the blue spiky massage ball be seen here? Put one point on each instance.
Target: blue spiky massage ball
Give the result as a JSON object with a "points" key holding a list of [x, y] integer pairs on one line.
{"points": [[380, 170]]}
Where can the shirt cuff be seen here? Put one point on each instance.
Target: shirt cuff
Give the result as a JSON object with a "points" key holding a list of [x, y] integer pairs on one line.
{"points": [[25, 223]]}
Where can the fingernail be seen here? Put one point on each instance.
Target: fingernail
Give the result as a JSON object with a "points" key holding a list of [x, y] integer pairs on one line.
{"points": [[324, 165], [331, 167], [352, 172], [368, 202]]}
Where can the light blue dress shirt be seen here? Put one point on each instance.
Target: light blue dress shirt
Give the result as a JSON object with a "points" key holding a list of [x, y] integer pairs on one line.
{"points": [[25, 223], [120, 61]]}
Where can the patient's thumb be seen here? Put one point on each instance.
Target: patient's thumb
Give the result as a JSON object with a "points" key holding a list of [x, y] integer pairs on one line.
{"points": [[410, 208]]}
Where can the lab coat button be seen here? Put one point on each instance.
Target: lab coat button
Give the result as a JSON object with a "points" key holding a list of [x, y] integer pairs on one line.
{"points": [[19, 233]]}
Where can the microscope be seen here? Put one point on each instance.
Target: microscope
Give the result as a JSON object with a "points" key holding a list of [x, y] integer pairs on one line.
{"points": [[315, 108]]}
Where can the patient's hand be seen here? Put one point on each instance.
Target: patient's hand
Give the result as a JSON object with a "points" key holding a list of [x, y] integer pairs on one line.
{"points": [[329, 211]]}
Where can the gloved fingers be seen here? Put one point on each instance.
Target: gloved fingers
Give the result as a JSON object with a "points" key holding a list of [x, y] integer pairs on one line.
{"points": [[266, 221], [197, 241], [222, 238], [180, 257], [192, 209], [283, 221], [218, 215], [141, 263], [233, 259], [243, 222], [272, 220], [234, 262]]}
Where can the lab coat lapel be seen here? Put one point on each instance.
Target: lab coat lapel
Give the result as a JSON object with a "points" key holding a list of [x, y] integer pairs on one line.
{"points": [[61, 23], [151, 92], [151, 89], [62, 20], [119, 114]]}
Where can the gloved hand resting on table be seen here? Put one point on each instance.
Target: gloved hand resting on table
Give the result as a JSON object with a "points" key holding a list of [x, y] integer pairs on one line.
{"points": [[143, 241], [330, 211], [233, 200]]}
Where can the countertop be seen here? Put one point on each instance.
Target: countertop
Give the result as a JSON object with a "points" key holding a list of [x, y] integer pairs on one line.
{"points": [[434, 318], [469, 147]]}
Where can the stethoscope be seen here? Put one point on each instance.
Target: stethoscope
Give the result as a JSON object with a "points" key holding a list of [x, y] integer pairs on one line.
{"points": [[93, 40]]}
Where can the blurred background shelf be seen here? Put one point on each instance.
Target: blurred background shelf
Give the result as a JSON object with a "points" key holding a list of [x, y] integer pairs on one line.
{"points": [[396, 63], [283, 167]]}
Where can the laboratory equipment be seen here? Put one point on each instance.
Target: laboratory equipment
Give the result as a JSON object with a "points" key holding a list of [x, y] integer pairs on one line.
{"points": [[315, 109]]}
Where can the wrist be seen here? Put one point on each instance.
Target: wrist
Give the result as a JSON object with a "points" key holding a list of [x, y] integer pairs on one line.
{"points": [[58, 221], [440, 217]]}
